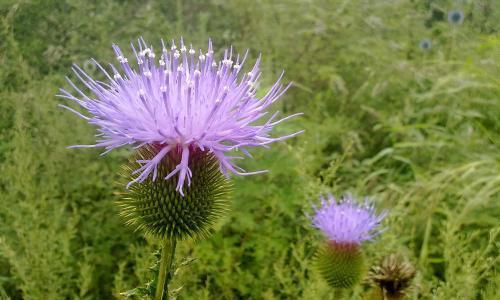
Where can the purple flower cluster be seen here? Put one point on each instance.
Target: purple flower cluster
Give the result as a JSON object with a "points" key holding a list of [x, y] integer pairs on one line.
{"points": [[181, 102], [347, 222]]}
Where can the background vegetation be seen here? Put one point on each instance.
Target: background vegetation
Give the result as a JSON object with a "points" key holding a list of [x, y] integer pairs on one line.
{"points": [[415, 129]]}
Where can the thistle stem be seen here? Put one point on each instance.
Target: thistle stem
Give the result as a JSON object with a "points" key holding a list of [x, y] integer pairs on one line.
{"points": [[167, 257], [338, 293]]}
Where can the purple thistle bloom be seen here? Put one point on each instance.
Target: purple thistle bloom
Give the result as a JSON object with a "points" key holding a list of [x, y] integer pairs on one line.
{"points": [[347, 223], [186, 103], [455, 17], [425, 44]]}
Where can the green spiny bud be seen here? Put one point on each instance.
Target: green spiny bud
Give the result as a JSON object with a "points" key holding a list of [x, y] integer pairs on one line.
{"points": [[341, 265], [156, 207]]}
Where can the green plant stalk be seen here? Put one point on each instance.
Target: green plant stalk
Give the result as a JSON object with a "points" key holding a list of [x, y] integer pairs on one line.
{"points": [[378, 294], [167, 257], [425, 244], [339, 293]]}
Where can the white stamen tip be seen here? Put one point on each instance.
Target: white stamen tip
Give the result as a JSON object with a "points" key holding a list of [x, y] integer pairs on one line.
{"points": [[191, 51], [163, 89], [197, 73], [147, 52], [177, 54], [202, 57], [122, 59]]}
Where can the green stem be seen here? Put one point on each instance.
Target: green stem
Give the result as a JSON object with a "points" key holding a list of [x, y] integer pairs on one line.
{"points": [[425, 244], [377, 293], [167, 257], [338, 294]]}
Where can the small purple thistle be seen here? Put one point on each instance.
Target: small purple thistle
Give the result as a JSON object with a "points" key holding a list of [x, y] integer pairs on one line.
{"points": [[346, 222], [187, 103], [455, 17], [425, 44]]}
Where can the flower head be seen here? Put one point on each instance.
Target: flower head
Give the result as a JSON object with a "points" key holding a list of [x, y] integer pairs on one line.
{"points": [[182, 102], [425, 44], [393, 276], [347, 223], [455, 17], [156, 208]]}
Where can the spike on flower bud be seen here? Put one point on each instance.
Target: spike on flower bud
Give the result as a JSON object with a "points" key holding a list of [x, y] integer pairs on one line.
{"points": [[341, 265], [346, 225], [156, 207]]}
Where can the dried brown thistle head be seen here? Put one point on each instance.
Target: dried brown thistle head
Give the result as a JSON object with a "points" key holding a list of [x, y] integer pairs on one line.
{"points": [[393, 276]]}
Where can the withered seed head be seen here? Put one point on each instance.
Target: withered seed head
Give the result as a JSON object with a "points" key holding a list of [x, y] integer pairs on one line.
{"points": [[393, 275]]}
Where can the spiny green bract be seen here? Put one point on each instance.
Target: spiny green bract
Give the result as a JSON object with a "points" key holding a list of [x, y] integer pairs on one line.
{"points": [[341, 266], [155, 206]]}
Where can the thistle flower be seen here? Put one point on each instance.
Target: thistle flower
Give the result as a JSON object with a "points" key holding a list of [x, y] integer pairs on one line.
{"points": [[155, 207], [425, 44], [181, 103], [346, 225], [455, 17]]}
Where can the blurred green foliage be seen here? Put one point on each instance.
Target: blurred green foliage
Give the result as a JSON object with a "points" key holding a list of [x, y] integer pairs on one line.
{"points": [[416, 129]]}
